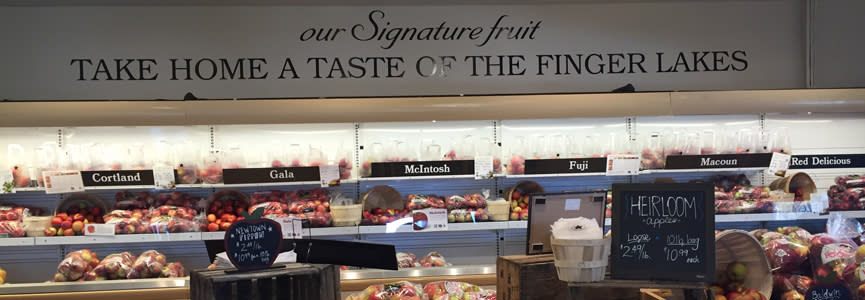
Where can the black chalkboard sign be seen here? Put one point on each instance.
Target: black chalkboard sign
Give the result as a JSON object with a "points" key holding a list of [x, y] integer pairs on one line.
{"points": [[718, 161], [117, 177], [269, 175], [422, 168], [253, 243], [663, 232], [566, 166], [835, 292]]}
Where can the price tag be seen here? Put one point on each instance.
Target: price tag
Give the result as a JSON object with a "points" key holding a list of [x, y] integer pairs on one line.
{"points": [[623, 165], [483, 167], [329, 175], [99, 229], [292, 227], [7, 181], [779, 164], [57, 182], [431, 219], [163, 177]]}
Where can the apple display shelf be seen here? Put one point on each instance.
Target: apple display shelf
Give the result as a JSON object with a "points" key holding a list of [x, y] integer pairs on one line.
{"points": [[581, 260], [740, 246]]}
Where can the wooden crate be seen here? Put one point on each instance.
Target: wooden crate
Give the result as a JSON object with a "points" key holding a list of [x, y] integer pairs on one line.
{"points": [[287, 282], [529, 277]]}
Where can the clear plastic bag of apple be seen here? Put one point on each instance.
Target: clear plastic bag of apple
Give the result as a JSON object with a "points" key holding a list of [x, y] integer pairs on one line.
{"points": [[173, 270], [476, 200], [114, 266], [468, 215], [447, 289], [131, 200], [414, 202], [787, 255], [850, 181], [833, 252], [177, 199], [148, 265], [406, 260], [75, 265], [433, 259], [790, 286], [402, 290], [271, 209], [129, 221], [273, 196]]}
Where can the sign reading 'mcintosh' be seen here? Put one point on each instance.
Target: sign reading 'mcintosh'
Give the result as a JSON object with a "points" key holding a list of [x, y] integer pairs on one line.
{"points": [[422, 168], [356, 51]]}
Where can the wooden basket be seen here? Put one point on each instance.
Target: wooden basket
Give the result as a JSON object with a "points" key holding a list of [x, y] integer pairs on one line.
{"points": [[382, 196], [90, 200], [581, 260], [793, 182], [740, 246], [524, 187], [347, 215], [283, 282]]}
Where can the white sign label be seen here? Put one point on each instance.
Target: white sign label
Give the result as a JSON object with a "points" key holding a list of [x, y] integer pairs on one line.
{"points": [[163, 177], [572, 204], [57, 182], [329, 175], [430, 219], [7, 181], [483, 167], [292, 227], [357, 51], [623, 165], [779, 164], [99, 229]]}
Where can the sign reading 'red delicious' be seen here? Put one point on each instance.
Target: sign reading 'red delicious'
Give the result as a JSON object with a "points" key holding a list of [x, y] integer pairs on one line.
{"points": [[423, 168], [117, 178], [827, 161], [352, 51]]}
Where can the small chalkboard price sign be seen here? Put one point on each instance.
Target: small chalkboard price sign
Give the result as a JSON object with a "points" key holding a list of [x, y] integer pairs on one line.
{"points": [[663, 232], [254, 242], [835, 292]]}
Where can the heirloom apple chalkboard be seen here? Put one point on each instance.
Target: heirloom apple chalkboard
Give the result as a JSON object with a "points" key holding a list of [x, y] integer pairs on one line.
{"points": [[254, 242]]}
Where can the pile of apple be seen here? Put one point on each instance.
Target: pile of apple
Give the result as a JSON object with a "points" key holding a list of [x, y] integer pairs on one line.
{"points": [[409, 260], [402, 290], [313, 205], [787, 248], [848, 193], [225, 210], [731, 285], [72, 221], [14, 212], [519, 206], [130, 200], [472, 201], [456, 290], [84, 265], [12, 228], [172, 219], [134, 221], [468, 215], [379, 216], [177, 199], [735, 195], [414, 202]]}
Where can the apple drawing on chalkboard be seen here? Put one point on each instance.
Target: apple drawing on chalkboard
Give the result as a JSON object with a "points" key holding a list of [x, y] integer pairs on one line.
{"points": [[254, 242]]}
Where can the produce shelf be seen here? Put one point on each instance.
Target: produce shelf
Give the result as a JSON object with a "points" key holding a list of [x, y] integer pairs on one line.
{"points": [[418, 272], [22, 241], [126, 238], [90, 286], [266, 184], [555, 175]]}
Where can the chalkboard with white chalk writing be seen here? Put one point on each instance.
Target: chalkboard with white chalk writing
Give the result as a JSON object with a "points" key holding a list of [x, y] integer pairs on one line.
{"points": [[663, 232]]}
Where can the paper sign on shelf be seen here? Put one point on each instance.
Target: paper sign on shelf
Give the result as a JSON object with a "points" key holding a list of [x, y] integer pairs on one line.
{"points": [[7, 181], [57, 182], [430, 219], [292, 227], [99, 229], [163, 177], [329, 175], [623, 165], [483, 167], [779, 164]]}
